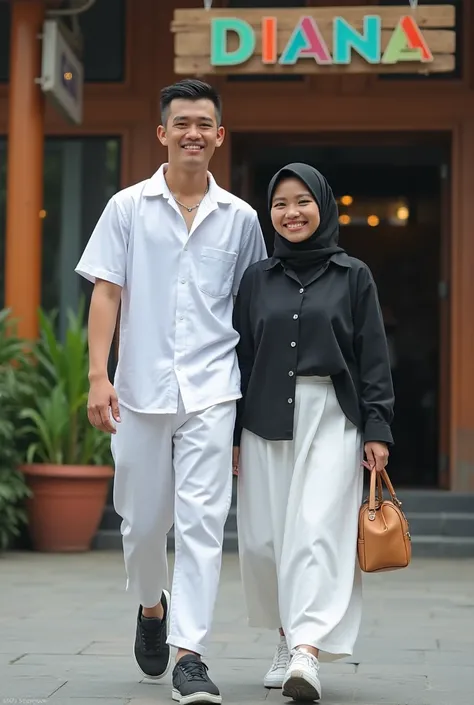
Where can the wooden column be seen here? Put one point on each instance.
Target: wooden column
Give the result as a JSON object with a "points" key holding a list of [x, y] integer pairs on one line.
{"points": [[462, 319], [25, 167]]}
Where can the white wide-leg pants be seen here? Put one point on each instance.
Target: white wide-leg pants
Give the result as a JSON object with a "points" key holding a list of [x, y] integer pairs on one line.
{"points": [[175, 467], [298, 507]]}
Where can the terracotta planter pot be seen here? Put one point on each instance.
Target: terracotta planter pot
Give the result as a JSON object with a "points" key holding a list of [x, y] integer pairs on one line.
{"points": [[67, 505]]}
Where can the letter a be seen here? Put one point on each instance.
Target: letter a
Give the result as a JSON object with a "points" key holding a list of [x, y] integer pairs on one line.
{"points": [[407, 44], [306, 42]]}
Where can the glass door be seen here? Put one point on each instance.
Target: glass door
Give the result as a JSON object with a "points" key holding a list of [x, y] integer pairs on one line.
{"points": [[394, 215]]}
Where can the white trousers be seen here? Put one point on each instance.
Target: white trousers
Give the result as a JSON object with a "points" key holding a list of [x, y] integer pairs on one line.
{"points": [[175, 467], [298, 507]]}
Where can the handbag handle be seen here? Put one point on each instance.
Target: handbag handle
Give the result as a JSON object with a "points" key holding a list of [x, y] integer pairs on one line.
{"points": [[376, 482]]}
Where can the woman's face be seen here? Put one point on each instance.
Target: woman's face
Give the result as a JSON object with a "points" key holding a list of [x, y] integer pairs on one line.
{"points": [[295, 213]]}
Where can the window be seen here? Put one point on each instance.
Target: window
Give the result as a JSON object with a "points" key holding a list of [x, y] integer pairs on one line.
{"points": [[264, 77], [80, 175], [103, 28]]}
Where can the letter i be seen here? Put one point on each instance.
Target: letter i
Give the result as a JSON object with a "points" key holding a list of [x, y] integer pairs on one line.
{"points": [[269, 40]]}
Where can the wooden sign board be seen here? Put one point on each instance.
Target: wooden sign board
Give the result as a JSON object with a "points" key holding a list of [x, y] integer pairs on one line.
{"points": [[315, 40]]}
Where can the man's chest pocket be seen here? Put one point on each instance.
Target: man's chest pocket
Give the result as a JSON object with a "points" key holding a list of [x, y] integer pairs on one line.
{"points": [[216, 272]]}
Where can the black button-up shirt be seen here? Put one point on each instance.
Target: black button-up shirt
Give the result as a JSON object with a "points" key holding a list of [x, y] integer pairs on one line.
{"points": [[330, 325]]}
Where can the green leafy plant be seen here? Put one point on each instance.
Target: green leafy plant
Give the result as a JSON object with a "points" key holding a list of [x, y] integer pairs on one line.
{"points": [[14, 390], [56, 425]]}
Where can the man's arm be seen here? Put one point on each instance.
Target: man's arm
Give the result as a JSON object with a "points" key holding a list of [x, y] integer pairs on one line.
{"points": [[103, 312], [104, 263]]}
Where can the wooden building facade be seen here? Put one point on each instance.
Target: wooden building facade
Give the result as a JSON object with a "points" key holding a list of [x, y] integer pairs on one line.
{"points": [[266, 118]]}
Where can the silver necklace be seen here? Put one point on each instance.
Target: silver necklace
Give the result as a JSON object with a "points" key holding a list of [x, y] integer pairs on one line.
{"points": [[190, 209]]}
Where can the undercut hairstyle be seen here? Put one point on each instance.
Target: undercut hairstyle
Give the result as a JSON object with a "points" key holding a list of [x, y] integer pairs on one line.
{"points": [[189, 89]]}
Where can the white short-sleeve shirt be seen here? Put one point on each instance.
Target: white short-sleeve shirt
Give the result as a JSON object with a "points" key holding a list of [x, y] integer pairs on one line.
{"points": [[176, 333]]}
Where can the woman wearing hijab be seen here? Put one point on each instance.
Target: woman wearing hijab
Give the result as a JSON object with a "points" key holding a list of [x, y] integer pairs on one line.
{"points": [[317, 392]]}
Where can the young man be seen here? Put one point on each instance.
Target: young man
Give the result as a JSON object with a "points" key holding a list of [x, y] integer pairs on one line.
{"points": [[172, 250]]}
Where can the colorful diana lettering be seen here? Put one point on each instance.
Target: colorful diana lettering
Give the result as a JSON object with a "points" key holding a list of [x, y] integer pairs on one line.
{"points": [[306, 42]]}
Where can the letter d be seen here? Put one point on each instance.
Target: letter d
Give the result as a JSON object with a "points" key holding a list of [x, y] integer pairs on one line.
{"points": [[220, 27]]}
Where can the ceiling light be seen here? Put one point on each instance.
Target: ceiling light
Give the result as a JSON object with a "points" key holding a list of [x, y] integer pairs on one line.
{"points": [[403, 213]]}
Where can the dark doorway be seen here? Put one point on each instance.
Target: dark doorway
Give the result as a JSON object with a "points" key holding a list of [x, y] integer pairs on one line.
{"points": [[391, 201]]}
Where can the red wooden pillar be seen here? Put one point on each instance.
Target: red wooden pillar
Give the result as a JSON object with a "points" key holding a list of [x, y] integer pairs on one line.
{"points": [[25, 167]]}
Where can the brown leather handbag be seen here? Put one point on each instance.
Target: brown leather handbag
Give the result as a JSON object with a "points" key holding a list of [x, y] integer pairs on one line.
{"points": [[384, 541]]}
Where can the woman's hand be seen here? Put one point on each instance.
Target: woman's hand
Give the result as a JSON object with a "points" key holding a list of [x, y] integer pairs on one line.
{"points": [[235, 460], [377, 455]]}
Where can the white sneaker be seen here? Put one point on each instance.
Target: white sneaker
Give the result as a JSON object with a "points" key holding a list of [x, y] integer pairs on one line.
{"points": [[276, 674], [301, 681]]}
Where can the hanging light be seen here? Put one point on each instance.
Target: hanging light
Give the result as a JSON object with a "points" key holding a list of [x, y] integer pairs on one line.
{"points": [[373, 221], [347, 200], [403, 213], [344, 219]]}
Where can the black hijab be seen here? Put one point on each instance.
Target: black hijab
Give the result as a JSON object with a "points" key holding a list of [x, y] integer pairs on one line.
{"points": [[313, 253]]}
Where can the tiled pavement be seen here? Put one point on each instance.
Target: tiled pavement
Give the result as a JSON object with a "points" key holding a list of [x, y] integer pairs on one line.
{"points": [[66, 633]]}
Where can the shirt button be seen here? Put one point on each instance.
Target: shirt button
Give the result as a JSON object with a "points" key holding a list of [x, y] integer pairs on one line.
{"points": [[295, 316], [290, 401], [301, 291], [293, 344], [181, 318], [183, 281], [291, 373]]}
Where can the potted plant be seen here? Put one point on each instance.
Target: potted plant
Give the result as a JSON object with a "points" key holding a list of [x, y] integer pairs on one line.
{"points": [[13, 391], [68, 462]]}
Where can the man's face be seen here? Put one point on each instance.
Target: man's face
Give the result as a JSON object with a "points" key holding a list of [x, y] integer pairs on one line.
{"points": [[191, 133]]}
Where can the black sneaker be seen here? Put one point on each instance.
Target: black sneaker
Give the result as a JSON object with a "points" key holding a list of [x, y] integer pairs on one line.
{"points": [[191, 684], [152, 653]]}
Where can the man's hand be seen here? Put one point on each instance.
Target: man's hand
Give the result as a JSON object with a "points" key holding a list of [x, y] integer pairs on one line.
{"points": [[377, 455], [102, 402], [235, 460]]}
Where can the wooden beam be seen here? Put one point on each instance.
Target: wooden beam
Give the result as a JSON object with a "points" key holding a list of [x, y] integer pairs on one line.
{"points": [[442, 63], [426, 16], [25, 169], [462, 325], [263, 112]]}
